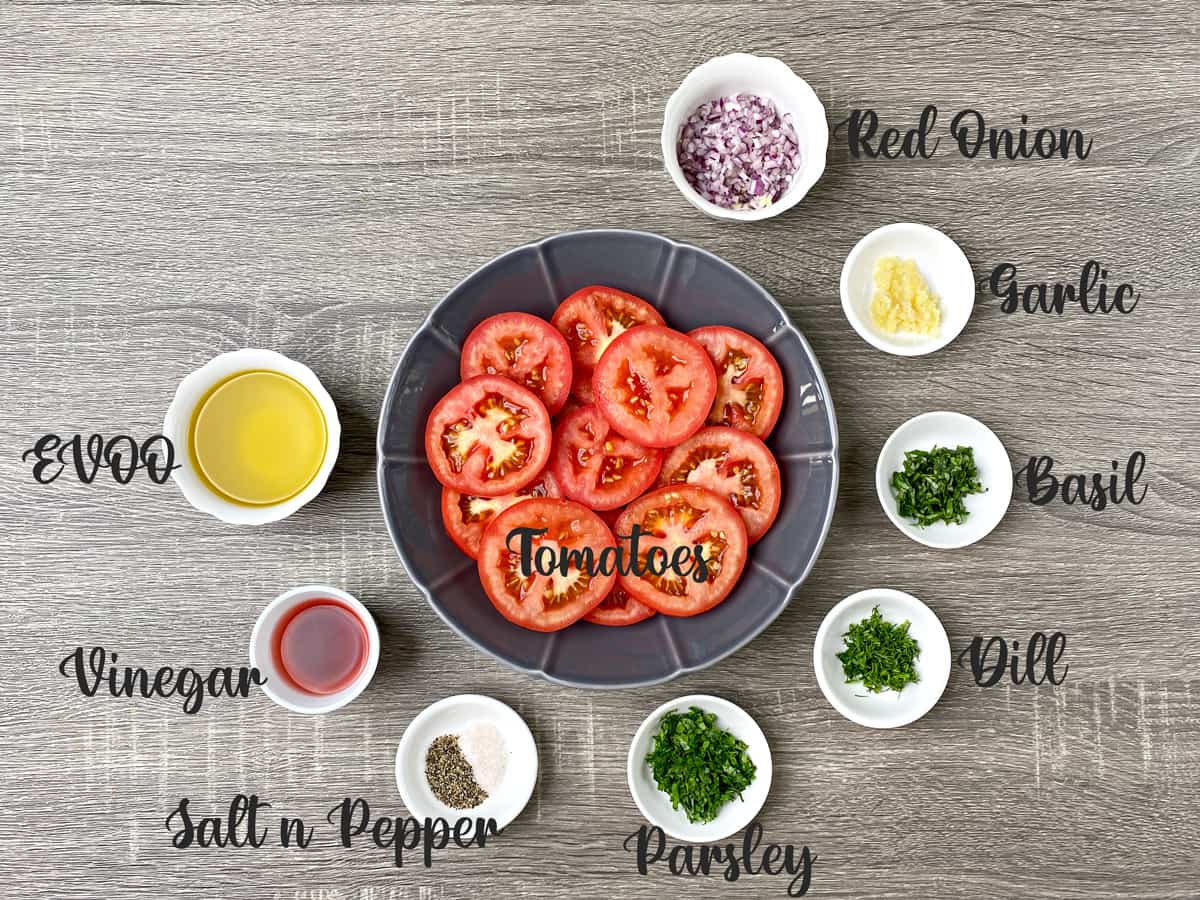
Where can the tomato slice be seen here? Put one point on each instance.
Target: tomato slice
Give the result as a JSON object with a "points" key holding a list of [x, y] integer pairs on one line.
{"points": [[598, 467], [619, 608], [655, 385], [489, 436], [683, 516], [525, 349], [749, 380], [591, 319], [466, 516], [538, 601], [734, 464]]}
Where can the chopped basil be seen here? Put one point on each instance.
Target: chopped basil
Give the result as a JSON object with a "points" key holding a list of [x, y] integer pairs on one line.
{"points": [[879, 654], [698, 765], [931, 486]]}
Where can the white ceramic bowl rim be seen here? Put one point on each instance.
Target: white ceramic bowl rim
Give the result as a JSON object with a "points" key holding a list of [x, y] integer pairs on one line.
{"points": [[262, 655], [808, 115], [178, 421]]}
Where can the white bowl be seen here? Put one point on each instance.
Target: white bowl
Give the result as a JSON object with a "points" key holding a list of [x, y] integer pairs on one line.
{"points": [[262, 654], [949, 429], [179, 418], [942, 264], [887, 709], [767, 77], [656, 805], [451, 716]]}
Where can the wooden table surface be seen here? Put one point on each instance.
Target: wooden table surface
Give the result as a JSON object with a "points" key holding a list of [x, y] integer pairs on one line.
{"points": [[181, 180]]}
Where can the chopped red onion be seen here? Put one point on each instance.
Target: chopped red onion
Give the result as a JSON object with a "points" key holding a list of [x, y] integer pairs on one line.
{"points": [[738, 151]]}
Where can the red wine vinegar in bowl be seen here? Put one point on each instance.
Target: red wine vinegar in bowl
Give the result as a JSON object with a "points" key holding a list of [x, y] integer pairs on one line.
{"points": [[317, 646]]}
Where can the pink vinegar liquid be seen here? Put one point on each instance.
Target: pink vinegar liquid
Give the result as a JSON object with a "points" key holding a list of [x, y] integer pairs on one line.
{"points": [[321, 646]]}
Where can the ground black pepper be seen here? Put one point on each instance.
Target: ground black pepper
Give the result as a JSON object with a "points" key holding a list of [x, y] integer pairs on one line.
{"points": [[450, 776]]}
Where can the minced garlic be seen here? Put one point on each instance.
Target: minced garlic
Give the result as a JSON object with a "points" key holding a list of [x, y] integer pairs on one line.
{"points": [[902, 300]]}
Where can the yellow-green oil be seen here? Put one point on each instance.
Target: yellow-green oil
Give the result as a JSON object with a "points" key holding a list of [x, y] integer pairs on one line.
{"points": [[258, 438]]}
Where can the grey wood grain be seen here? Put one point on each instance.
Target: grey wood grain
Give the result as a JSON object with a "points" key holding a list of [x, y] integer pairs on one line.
{"points": [[182, 180]]}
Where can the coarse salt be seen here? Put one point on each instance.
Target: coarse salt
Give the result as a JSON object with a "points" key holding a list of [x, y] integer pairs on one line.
{"points": [[483, 746]]}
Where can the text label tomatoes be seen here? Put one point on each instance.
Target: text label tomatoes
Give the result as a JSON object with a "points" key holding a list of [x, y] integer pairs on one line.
{"points": [[684, 516], [534, 600]]}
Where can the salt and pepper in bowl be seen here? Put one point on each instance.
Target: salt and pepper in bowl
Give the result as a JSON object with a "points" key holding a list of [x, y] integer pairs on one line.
{"points": [[467, 756]]}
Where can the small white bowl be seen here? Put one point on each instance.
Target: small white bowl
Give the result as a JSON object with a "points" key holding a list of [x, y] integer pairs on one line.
{"points": [[179, 418], [942, 264], [767, 77], [888, 709], [949, 429], [656, 805], [451, 716], [262, 653]]}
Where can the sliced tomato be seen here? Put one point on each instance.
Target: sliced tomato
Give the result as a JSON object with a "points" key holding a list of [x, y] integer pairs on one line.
{"points": [[466, 516], [734, 464], [489, 436], [530, 598], [525, 349], [655, 385], [591, 319], [595, 465], [682, 516], [619, 608], [749, 380]]}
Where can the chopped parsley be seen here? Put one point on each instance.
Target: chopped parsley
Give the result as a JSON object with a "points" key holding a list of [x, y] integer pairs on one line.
{"points": [[698, 765], [931, 486], [879, 654]]}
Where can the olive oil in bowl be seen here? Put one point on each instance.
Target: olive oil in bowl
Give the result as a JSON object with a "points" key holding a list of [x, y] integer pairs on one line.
{"points": [[258, 438]]}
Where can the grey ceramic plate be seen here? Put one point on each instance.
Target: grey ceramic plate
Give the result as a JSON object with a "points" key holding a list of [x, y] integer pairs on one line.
{"points": [[692, 288]]}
